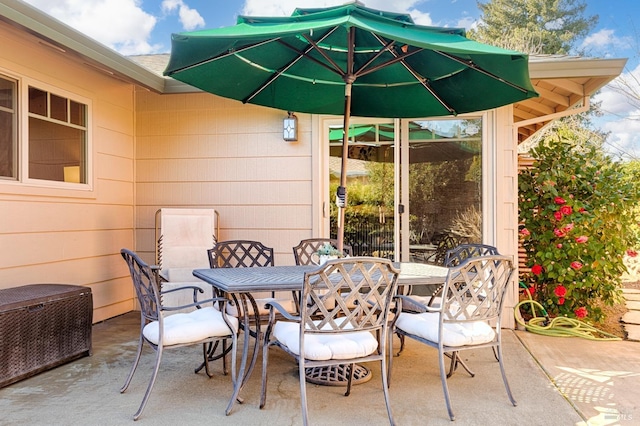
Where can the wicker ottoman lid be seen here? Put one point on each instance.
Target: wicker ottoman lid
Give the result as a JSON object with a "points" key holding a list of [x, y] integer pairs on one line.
{"points": [[33, 294]]}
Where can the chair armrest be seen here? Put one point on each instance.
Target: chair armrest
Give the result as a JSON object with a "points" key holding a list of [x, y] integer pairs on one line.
{"points": [[410, 305], [275, 306], [195, 289], [197, 303], [413, 306]]}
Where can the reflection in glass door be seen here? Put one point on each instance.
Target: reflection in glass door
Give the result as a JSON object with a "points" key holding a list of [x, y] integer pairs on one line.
{"points": [[439, 181], [369, 217], [445, 186]]}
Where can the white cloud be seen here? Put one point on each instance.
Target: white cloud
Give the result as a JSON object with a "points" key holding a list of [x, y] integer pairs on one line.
{"points": [[286, 7], [119, 24], [605, 43], [622, 118], [189, 18]]}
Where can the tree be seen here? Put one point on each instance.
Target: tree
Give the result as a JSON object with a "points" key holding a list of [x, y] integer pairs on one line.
{"points": [[533, 26]]}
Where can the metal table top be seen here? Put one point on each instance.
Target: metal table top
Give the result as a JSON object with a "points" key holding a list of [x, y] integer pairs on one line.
{"points": [[288, 278]]}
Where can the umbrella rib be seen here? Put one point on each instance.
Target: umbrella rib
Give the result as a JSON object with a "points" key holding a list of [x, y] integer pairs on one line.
{"points": [[221, 56], [419, 78], [397, 59], [324, 55], [363, 69], [475, 67], [275, 75], [310, 58]]}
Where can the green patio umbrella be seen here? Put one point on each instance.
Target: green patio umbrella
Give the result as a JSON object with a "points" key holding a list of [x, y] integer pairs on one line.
{"points": [[350, 60]]}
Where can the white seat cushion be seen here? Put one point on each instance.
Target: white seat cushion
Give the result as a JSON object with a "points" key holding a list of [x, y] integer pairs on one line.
{"points": [[425, 325], [320, 347], [190, 327]]}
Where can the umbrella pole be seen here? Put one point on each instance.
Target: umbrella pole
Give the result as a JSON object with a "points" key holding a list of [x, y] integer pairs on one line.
{"points": [[341, 195]]}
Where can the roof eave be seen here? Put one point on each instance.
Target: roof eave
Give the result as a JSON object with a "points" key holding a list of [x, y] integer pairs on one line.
{"points": [[70, 41]]}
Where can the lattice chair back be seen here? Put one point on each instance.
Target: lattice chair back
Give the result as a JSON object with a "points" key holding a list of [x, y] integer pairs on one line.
{"points": [[240, 254], [462, 252], [348, 295], [446, 243], [474, 290], [305, 253], [145, 284]]}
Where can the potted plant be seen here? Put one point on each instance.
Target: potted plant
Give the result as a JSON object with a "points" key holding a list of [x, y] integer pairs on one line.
{"points": [[327, 252]]}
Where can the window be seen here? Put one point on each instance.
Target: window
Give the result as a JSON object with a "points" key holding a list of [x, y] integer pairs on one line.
{"points": [[8, 129], [52, 144], [57, 137]]}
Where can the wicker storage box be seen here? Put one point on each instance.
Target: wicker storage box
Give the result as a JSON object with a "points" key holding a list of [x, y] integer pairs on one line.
{"points": [[42, 326]]}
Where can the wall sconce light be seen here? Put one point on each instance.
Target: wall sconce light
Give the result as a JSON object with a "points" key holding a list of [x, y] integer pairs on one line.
{"points": [[290, 127]]}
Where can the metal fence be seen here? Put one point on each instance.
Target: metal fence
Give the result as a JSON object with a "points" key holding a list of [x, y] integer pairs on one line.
{"points": [[369, 237]]}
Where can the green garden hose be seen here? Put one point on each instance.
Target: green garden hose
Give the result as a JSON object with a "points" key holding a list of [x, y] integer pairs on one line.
{"points": [[559, 326]]}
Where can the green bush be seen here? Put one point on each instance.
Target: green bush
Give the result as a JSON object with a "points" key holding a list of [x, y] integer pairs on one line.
{"points": [[577, 220]]}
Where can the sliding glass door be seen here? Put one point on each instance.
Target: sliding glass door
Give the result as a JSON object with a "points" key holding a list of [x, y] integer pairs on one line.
{"points": [[410, 184]]}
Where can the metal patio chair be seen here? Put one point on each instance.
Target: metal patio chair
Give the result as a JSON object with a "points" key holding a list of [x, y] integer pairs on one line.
{"points": [[468, 316], [453, 257], [161, 331], [344, 322], [245, 254]]}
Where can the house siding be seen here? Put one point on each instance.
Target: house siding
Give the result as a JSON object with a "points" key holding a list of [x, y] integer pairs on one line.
{"points": [[200, 150], [54, 235]]}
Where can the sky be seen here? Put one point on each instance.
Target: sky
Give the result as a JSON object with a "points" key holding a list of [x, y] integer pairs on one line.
{"points": [[134, 27]]}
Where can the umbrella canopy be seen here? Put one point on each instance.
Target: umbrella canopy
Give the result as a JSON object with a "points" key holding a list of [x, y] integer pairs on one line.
{"points": [[350, 60]]}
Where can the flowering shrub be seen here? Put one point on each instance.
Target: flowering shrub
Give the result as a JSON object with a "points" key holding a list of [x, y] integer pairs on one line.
{"points": [[575, 226]]}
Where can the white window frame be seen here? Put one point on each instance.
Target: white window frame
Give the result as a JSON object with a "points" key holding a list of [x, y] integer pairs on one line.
{"points": [[22, 184]]}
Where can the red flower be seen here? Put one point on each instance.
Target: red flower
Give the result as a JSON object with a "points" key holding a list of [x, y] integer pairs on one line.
{"points": [[560, 300], [581, 312], [576, 265], [582, 239], [536, 269], [566, 210], [559, 200], [582, 210], [525, 232], [568, 227], [557, 215], [560, 291], [632, 253], [559, 245], [532, 290], [559, 232]]}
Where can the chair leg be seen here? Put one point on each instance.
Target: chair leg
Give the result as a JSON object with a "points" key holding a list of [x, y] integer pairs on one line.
{"points": [[134, 366], [303, 392], [445, 387], [205, 353], [401, 336], [350, 369], [152, 381], [385, 389], [504, 377], [455, 361], [265, 360]]}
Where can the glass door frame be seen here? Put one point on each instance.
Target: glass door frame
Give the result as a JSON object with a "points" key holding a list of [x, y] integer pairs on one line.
{"points": [[402, 206]]}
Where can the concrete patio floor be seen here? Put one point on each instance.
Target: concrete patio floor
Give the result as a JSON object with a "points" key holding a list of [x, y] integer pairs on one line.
{"points": [[556, 381]]}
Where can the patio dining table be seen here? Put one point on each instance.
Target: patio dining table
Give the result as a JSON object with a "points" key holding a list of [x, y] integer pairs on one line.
{"points": [[240, 283]]}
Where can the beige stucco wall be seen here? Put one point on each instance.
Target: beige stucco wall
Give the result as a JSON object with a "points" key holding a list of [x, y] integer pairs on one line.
{"points": [[200, 150], [53, 235]]}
